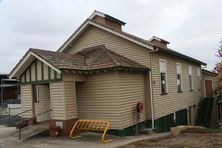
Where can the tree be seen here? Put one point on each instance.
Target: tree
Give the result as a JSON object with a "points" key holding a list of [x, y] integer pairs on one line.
{"points": [[218, 91]]}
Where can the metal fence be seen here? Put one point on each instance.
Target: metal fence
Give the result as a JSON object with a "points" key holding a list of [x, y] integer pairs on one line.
{"points": [[11, 120]]}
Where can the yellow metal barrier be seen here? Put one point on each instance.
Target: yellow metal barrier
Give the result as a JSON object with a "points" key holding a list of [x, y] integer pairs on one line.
{"points": [[91, 125]]}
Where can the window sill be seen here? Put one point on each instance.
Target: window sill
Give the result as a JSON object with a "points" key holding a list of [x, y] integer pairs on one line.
{"points": [[163, 94], [179, 91]]}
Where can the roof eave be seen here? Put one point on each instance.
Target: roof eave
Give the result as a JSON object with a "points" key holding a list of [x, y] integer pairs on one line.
{"points": [[181, 55], [27, 56]]}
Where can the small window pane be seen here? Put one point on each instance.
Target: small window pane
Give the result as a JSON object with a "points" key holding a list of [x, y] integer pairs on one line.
{"points": [[163, 82], [190, 81], [162, 66], [179, 89]]}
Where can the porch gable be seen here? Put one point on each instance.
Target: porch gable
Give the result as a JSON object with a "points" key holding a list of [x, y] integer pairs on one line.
{"points": [[39, 72]]}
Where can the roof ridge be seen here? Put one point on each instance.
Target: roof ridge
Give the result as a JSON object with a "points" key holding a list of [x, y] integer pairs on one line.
{"points": [[124, 33], [114, 61], [33, 50]]}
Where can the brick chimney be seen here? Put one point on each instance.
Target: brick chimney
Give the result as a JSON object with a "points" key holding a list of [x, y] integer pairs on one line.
{"points": [[159, 42], [107, 20]]}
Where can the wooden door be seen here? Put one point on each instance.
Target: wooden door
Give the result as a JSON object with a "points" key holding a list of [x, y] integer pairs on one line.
{"points": [[208, 89]]}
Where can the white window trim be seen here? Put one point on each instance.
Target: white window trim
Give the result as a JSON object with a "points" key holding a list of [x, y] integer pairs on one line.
{"points": [[198, 69], [191, 77], [199, 77], [163, 60], [181, 75]]}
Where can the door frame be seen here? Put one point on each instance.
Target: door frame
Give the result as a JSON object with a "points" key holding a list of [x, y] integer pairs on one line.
{"points": [[37, 95], [205, 85]]}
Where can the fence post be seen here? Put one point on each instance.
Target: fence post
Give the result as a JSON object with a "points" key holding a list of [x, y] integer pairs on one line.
{"points": [[9, 116]]}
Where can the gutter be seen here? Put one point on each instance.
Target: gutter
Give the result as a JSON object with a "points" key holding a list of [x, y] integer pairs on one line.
{"points": [[151, 90]]}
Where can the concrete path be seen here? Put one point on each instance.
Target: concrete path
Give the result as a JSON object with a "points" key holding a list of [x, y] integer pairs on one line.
{"points": [[88, 140]]}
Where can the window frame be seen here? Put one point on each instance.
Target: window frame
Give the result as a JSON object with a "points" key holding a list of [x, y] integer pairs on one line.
{"points": [[181, 76], [166, 75], [35, 93], [190, 85], [198, 72]]}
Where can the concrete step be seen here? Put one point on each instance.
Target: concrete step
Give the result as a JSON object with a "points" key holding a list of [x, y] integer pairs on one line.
{"points": [[33, 130]]}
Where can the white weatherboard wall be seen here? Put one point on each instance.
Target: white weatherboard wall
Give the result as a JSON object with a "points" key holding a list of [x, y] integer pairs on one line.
{"points": [[97, 98], [173, 101], [57, 100], [43, 104], [113, 97], [26, 100], [132, 88], [63, 97]]}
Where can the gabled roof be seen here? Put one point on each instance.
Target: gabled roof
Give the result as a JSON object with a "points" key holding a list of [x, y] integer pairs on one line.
{"points": [[26, 60], [142, 42], [98, 13], [121, 34], [89, 59]]}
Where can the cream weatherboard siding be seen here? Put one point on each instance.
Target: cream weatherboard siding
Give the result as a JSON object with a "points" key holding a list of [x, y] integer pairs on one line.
{"points": [[26, 100], [43, 103], [41, 106], [97, 99], [70, 100], [57, 100], [63, 97], [113, 97], [94, 36], [173, 101], [132, 88]]}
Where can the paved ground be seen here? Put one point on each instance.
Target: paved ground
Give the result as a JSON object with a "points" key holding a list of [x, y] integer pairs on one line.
{"points": [[9, 139]]}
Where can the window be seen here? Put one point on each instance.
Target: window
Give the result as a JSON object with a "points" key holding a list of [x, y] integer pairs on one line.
{"points": [[163, 76], [199, 78], [198, 72], [35, 90], [190, 77], [179, 77]]}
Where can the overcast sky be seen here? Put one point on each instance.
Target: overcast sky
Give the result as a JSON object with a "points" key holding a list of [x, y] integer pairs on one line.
{"points": [[193, 27]]}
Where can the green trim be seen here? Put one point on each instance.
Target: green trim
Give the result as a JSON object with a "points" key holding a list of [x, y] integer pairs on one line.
{"points": [[36, 71], [42, 81], [25, 76], [128, 131], [49, 73], [162, 124], [30, 73], [181, 117], [45, 81], [42, 67]]}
